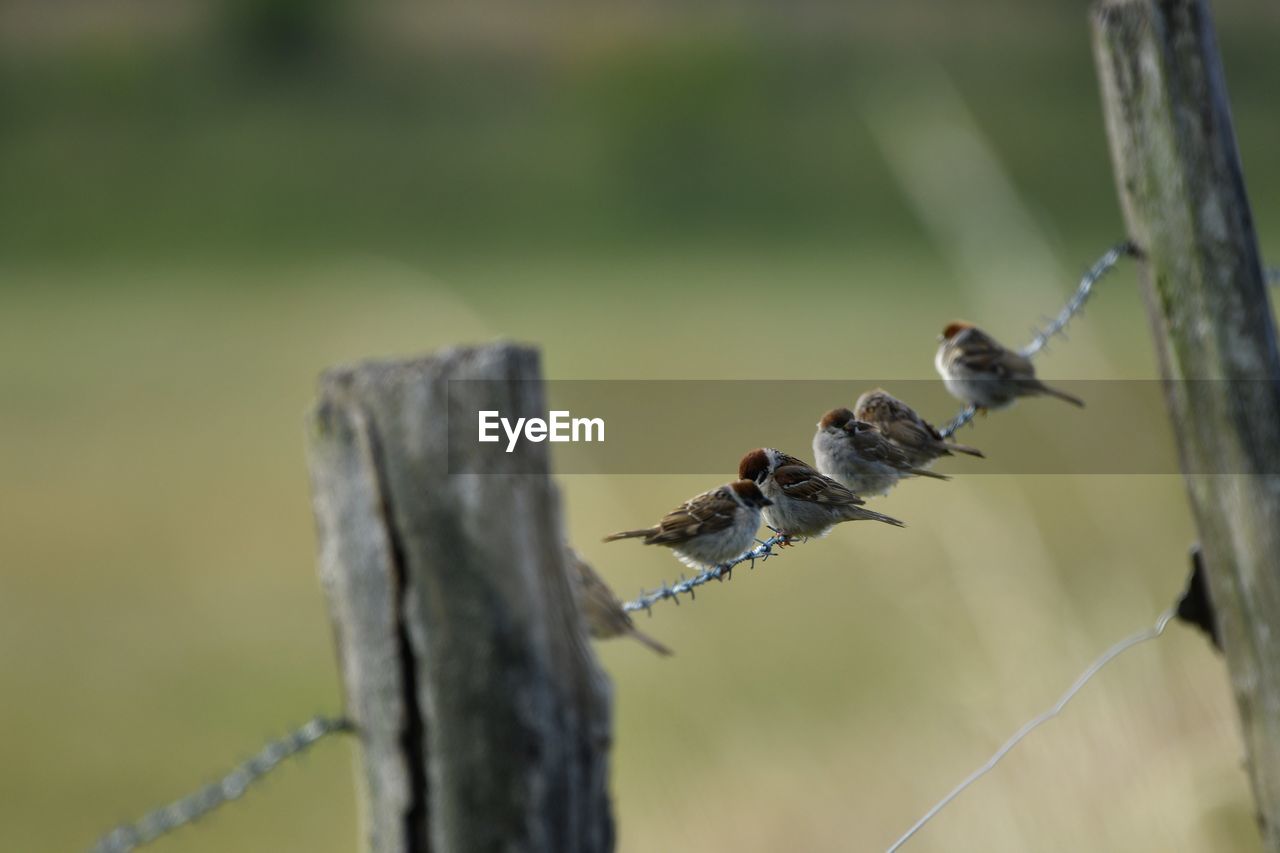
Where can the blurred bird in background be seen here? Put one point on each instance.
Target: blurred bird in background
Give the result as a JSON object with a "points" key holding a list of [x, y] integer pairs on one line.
{"points": [[856, 454], [601, 608], [900, 423], [979, 371]]}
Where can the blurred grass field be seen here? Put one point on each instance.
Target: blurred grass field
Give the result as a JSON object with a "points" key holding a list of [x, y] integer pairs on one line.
{"points": [[187, 239]]}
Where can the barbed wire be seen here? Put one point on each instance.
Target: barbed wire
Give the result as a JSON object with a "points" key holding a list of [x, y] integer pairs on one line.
{"points": [[1075, 304], [1058, 325], [1035, 722], [763, 551], [1053, 326], [191, 808]]}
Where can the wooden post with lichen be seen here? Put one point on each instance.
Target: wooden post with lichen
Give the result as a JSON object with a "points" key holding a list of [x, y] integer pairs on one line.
{"points": [[482, 714], [1180, 183]]}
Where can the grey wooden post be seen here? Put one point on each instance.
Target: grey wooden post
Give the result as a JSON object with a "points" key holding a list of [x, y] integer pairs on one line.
{"points": [[483, 716], [1180, 183]]}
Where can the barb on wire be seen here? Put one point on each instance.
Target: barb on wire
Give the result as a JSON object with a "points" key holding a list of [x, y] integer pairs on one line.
{"points": [[1095, 273], [195, 806], [762, 551], [953, 426], [1058, 324], [1031, 725]]}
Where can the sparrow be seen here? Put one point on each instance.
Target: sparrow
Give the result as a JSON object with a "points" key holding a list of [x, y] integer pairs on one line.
{"points": [[709, 529], [856, 454], [918, 438], [804, 501], [980, 372], [601, 608]]}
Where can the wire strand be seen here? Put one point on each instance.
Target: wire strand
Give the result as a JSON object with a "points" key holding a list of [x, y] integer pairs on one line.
{"points": [[181, 812], [1031, 725], [762, 552], [188, 809]]}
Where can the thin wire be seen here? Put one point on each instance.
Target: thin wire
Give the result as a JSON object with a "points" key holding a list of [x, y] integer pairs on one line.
{"points": [[764, 550], [961, 419], [761, 552], [1091, 277], [1053, 327], [1058, 324], [181, 812], [1031, 725]]}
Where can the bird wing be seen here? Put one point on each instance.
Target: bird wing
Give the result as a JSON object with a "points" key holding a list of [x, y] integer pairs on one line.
{"points": [[981, 353], [709, 512], [874, 446], [899, 422], [803, 483], [909, 433]]}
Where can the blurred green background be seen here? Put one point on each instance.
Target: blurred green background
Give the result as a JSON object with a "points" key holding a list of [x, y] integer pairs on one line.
{"points": [[205, 203]]}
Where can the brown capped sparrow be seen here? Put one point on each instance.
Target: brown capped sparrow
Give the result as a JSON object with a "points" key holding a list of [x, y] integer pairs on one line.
{"points": [[858, 455], [709, 529], [804, 501], [981, 373], [900, 424], [601, 608]]}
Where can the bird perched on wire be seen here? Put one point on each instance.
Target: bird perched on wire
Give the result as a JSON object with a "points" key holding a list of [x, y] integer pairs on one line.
{"points": [[708, 529], [899, 423], [982, 373], [601, 608], [859, 456], [805, 502]]}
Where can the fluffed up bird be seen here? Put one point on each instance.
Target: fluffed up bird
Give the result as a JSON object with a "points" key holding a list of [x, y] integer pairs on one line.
{"points": [[980, 372], [899, 423], [709, 529], [859, 456], [805, 502], [601, 608]]}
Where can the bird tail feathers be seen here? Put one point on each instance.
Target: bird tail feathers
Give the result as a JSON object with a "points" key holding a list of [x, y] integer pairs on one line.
{"points": [[629, 534]]}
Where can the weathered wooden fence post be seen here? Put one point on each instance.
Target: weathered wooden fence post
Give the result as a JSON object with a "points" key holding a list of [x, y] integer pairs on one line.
{"points": [[483, 717], [1180, 184]]}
